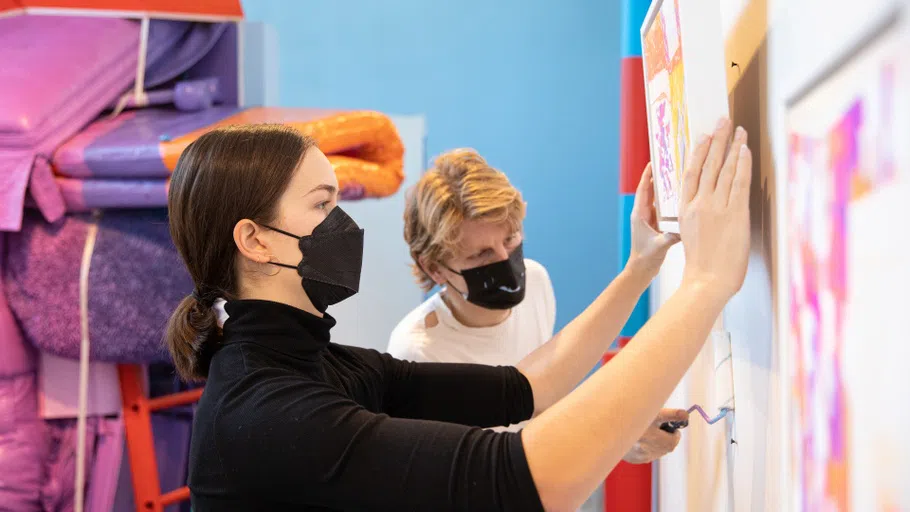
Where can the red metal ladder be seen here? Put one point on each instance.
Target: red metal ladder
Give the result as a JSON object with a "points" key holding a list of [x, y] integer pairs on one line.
{"points": [[140, 441]]}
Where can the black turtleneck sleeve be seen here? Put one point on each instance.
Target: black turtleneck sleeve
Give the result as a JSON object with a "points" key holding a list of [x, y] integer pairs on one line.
{"points": [[288, 422], [468, 394]]}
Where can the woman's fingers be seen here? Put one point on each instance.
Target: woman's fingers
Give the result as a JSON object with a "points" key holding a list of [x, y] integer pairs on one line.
{"points": [[716, 154], [693, 169], [725, 180], [742, 180]]}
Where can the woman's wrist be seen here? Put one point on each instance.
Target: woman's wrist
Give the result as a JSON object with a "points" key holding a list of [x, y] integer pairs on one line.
{"points": [[709, 292]]}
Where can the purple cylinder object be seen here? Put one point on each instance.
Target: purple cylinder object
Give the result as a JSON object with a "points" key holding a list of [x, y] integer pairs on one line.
{"points": [[192, 95]]}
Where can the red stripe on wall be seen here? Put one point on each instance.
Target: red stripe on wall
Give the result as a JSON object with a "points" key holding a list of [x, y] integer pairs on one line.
{"points": [[633, 129], [624, 340], [628, 488]]}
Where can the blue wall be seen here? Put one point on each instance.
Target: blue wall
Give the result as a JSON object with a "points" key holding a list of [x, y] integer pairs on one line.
{"points": [[532, 85]]}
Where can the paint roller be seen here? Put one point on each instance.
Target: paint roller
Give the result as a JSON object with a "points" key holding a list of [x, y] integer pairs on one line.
{"points": [[723, 384]]}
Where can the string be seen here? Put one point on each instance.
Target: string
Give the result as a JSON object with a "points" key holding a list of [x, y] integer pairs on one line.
{"points": [[84, 354]]}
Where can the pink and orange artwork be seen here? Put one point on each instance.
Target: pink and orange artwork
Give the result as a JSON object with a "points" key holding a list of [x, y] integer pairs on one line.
{"points": [[664, 77], [835, 167], [817, 207]]}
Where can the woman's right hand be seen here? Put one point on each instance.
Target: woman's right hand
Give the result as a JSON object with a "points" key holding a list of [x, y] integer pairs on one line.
{"points": [[714, 212]]}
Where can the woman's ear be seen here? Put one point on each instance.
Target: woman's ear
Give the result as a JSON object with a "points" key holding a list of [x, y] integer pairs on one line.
{"points": [[250, 242], [432, 269]]}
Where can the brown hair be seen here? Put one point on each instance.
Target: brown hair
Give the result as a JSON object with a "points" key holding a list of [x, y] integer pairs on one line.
{"points": [[459, 186], [223, 177]]}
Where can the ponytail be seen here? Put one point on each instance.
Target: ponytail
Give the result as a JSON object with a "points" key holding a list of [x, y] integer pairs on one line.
{"points": [[192, 334], [224, 176]]}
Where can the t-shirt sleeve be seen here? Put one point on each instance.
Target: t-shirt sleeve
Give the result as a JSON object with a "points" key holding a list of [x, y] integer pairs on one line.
{"points": [[411, 348], [307, 444], [549, 302], [469, 394]]}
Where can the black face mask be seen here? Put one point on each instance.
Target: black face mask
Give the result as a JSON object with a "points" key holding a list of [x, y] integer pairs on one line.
{"points": [[332, 259], [499, 285]]}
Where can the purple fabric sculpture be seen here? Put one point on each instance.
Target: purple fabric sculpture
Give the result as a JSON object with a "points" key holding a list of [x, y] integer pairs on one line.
{"points": [[58, 74], [135, 271]]}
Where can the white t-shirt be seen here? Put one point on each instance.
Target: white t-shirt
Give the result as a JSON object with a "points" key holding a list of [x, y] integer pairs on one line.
{"points": [[528, 326]]}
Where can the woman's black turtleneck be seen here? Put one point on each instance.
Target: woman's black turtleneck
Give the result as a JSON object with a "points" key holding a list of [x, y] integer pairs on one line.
{"points": [[290, 421]]}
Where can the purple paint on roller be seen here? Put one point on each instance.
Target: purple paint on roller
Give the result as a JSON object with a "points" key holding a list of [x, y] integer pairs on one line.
{"points": [[709, 420]]}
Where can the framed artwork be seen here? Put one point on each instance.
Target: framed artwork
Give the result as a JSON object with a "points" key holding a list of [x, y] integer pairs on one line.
{"points": [[685, 89], [843, 332]]}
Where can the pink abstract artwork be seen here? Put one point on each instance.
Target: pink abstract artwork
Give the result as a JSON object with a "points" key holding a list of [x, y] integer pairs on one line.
{"points": [[831, 169]]}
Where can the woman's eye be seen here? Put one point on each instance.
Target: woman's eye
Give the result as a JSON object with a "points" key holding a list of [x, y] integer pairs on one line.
{"points": [[323, 205]]}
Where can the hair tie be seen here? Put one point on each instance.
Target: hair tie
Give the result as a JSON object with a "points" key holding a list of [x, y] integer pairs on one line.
{"points": [[204, 299]]}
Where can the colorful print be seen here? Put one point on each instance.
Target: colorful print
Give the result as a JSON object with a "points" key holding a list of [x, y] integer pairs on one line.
{"points": [[827, 173], [666, 94]]}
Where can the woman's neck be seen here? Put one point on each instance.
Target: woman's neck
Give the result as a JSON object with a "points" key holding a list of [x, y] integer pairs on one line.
{"points": [[296, 298], [472, 315]]}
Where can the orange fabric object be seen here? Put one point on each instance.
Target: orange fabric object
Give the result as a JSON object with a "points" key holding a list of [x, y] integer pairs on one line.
{"points": [[363, 146]]}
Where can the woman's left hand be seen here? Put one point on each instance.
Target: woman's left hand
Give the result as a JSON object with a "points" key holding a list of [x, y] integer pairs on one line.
{"points": [[649, 244], [656, 443]]}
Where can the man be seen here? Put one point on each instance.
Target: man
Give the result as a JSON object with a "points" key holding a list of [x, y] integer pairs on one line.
{"points": [[496, 307], [463, 224]]}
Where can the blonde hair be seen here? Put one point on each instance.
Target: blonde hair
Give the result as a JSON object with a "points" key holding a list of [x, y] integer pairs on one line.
{"points": [[460, 186]]}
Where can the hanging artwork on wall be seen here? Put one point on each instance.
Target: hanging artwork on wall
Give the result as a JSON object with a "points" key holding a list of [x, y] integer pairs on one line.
{"points": [[685, 89], [843, 330]]}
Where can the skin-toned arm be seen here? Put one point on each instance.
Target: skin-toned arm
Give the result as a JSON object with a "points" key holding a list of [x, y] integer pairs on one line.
{"points": [[575, 443], [560, 364]]}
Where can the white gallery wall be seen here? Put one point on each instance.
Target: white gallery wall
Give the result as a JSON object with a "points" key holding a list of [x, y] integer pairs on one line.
{"points": [[779, 46], [388, 291]]}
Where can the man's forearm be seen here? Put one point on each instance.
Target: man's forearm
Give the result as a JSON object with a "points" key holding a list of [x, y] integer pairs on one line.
{"points": [[559, 365]]}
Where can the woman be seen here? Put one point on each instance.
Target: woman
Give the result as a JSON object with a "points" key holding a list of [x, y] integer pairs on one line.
{"points": [[291, 421]]}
